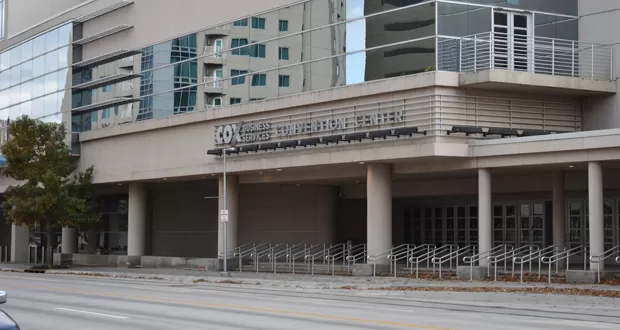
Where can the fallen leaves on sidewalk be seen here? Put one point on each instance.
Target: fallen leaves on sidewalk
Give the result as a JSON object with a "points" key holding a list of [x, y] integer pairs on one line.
{"points": [[541, 290], [202, 280]]}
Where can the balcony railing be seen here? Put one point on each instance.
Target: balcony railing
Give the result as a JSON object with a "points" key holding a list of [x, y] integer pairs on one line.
{"points": [[540, 55], [213, 52], [212, 82]]}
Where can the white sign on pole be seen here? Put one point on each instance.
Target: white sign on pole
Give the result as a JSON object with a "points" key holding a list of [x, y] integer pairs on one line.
{"points": [[224, 212], [224, 217]]}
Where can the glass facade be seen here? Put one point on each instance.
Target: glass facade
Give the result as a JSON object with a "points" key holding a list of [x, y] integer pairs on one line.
{"points": [[34, 77], [320, 44]]}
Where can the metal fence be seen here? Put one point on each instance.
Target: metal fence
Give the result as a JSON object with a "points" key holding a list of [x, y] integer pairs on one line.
{"points": [[493, 50]]}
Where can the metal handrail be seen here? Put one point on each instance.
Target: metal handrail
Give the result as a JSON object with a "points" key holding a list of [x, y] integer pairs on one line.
{"points": [[300, 248], [451, 256], [303, 253], [381, 256], [256, 256], [430, 253], [343, 253], [246, 252], [511, 254], [311, 257], [276, 253], [482, 255], [338, 248], [538, 254], [601, 258], [565, 255], [360, 255], [234, 250], [406, 254], [397, 254]]}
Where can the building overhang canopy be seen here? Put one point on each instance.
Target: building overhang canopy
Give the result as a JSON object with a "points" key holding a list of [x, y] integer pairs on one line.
{"points": [[106, 81], [103, 11], [104, 104], [106, 58], [103, 34]]}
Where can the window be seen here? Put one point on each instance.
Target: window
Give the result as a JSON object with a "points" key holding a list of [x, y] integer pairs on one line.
{"points": [[235, 100], [258, 23], [283, 25], [234, 43], [217, 102], [241, 22], [2, 16], [258, 51], [284, 81], [107, 88], [105, 113], [284, 53], [259, 80], [256, 99], [238, 80]]}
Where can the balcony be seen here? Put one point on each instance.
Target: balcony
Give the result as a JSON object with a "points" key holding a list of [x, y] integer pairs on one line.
{"points": [[222, 30], [213, 55], [214, 85], [521, 63]]}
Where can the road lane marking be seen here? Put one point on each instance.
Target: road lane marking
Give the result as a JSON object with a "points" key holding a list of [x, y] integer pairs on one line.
{"points": [[91, 313], [246, 308]]}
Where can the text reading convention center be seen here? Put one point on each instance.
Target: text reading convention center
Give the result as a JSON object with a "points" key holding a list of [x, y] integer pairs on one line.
{"points": [[327, 136]]}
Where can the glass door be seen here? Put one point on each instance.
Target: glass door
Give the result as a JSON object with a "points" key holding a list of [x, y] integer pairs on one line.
{"points": [[608, 224], [219, 44], [461, 226], [504, 224], [439, 226], [512, 32]]}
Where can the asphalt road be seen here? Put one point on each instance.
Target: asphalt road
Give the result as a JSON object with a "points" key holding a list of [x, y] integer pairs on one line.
{"points": [[55, 302]]}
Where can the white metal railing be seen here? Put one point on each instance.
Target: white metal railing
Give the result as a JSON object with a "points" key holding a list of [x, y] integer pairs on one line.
{"points": [[213, 82], [565, 255], [510, 255], [494, 50], [602, 257], [451, 257], [213, 52], [537, 255], [471, 260]]}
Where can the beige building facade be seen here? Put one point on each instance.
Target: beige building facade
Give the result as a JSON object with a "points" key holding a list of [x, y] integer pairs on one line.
{"points": [[349, 131]]}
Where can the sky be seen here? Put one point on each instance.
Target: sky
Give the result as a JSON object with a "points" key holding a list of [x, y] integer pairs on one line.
{"points": [[356, 39]]}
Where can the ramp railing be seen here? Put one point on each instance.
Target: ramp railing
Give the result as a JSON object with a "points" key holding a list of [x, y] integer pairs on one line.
{"points": [[357, 254], [407, 254], [398, 253], [509, 255], [536, 255], [428, 256], [565, 255], [310, 258], [248, 251], [264, 252], [341, 254], [303, 253], [279, 252], [471, 260], [451, 256], [602, 257]]}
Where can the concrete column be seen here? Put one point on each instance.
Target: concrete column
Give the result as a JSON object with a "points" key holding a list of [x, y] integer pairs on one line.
{"points": [[136, 227], [595, 207], [559, 212], [379, 214], [232, 203], [69, 241], [485, 215], [327, 204], [20, 237]]}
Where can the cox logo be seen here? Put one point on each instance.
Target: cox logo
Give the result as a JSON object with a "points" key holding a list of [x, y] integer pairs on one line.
{"points": [[227, 134]]}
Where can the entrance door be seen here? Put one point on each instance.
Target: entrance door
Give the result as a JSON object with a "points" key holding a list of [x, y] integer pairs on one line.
{"points": [[532, 224], [512, 32], [504, 224], [218, 75]]}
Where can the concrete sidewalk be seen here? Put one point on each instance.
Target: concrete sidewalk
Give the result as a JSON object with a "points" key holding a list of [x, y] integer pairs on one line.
{"points": [[185, 276]]}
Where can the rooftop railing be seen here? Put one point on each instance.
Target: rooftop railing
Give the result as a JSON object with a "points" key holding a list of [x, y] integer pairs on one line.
{"points": [[493, 50]]}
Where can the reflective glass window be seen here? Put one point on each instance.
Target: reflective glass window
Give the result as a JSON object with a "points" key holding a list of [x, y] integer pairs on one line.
{"points": [[61, 99], [258, 51], [283, 25], [51, 40], [284, 81], [26, 93], [38, 66], [284, 53], [38, 107], [5, 79], [38, 45], [26, 71], [64, 34], [51, 82], [38, 87], [238, 80], [258, 23], [234, 43], [51, 104], [5, 60], [4, 98], [63, 57], [15, 74], [259, 80], [62, 79], [26, 109], [16, 55], [26, 51], [14, 112], [235, 100], [16, 93], [242, 22], [51, 61]]}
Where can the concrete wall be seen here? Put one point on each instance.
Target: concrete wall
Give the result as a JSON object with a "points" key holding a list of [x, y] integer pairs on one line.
{"points": [[287, 213], [25, 14], [597, 19]]}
